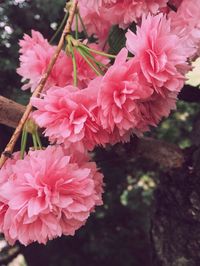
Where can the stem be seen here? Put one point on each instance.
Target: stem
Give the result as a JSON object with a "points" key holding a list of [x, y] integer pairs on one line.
{"points": [[76, 31], [71, 49], [83, 25], [74, 68], [97, 63], [88, 61], [98, 52], [23, 143], [93, 58], [59, 28], [67, 29], [34, 141], [38, 140]]}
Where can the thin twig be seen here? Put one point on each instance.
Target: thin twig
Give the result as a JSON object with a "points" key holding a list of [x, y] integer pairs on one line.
{"points": [[10, 146], [59, 28]]}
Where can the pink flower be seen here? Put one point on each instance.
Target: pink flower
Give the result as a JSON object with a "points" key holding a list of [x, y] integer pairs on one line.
{"points": [[159, 53], [92, 4], [36, 54], [95, 4], [120, 91], [124, 12], [49, 196], [69, 116], [153, 110], [28, 43], [186, 24], [6, 174]]}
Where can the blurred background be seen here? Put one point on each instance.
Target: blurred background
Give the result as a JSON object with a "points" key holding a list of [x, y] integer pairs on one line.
{"points": [[118, 233]]}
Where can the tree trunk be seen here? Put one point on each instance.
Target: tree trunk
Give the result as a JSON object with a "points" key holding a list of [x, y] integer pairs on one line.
{"points": [[176, 221]]}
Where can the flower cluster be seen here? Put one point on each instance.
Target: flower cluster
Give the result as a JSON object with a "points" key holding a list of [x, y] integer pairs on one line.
{"points": [[48, 193], [131, 96]]}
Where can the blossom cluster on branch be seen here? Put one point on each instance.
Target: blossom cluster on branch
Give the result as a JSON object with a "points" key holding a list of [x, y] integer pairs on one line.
{"points": [[91, 100]]}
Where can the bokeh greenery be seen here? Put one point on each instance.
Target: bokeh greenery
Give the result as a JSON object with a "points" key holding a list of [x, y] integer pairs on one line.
{"points": [[118, 232]]}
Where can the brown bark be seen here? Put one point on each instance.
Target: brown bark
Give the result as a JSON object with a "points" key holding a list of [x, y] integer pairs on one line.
{"points": [[10, 112], [161, 152], [176, 221]]}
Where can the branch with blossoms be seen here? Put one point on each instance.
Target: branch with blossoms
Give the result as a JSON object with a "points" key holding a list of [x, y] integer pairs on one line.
{"points": [[83, 99], [11, 112], [41, 84], [162, 153]]}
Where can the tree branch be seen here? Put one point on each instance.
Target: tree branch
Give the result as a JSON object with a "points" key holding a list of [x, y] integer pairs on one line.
{"points": [[10, 146], [11, 112], [167, 155], [163, 153]]}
